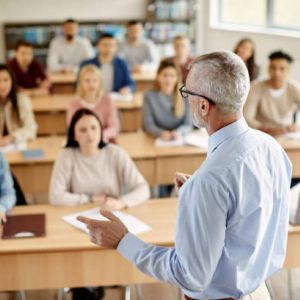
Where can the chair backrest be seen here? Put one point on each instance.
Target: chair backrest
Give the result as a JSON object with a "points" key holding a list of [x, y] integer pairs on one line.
{"points": [[19, 193]]}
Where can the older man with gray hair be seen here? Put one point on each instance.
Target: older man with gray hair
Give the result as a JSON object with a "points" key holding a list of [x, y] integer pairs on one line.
{"points": [[232, 218]]}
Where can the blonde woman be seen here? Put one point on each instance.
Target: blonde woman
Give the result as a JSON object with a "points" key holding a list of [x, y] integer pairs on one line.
{"points": [[90, 95], [165, 114]]}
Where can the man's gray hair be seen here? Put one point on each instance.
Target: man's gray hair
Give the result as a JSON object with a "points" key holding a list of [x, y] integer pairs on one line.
{"points": [[222, 77]]}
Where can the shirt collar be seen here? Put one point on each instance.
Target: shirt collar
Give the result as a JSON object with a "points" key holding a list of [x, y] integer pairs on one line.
{"points": [[231, 130]]}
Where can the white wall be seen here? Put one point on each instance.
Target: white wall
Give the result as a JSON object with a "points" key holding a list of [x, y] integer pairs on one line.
{"points": [[216, 39], [56, 10]]}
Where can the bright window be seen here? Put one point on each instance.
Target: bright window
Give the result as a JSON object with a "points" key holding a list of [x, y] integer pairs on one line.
{"points": [[278, 14]]}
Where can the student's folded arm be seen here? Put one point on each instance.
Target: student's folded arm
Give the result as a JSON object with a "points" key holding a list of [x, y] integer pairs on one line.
{"points": [[136, 186], [29, 126], [60, 184], [8, 195]]}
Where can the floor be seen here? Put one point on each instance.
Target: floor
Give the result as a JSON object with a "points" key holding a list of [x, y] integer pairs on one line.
{"points": [[164, 291]]}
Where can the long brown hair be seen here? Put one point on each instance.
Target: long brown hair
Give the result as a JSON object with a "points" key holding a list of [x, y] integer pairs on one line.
{"points": [[250, 63], [12, 95], [177, 101]]}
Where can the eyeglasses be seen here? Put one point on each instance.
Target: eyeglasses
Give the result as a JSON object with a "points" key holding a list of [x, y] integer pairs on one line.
{"points": [[184, 94]]}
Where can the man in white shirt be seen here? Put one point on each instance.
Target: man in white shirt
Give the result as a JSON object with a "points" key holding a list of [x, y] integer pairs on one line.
{"points": [[140, 54], [272, 102], [68, 51]]}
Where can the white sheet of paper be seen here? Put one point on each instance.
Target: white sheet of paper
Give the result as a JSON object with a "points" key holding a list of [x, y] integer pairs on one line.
{"points": [[196, 138], [13, 147], [292, 135], [133, 224], [171, 143], [118, 97]]}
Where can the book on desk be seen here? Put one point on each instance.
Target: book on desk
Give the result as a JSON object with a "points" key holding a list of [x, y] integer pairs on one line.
{"points": [[24, 226]]}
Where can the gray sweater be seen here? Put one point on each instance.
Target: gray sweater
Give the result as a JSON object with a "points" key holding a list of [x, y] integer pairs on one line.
{"points": [[158, 114]]}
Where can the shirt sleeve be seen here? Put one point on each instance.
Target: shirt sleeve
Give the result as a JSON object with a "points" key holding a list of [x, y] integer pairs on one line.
{"points": [[7, 191], [251, 107], [149, 124], [28, 128], [135, 184], [127, 79], [60, 183], [53, 63], [40, 71], [113, 126], [200, 234]]}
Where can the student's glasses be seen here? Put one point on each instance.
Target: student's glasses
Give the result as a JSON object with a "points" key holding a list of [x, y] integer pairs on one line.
{"points": [[185, 93]]}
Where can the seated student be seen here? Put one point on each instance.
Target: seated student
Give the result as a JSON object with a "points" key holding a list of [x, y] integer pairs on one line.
{"points": [[29, 73], [89, 170], [165, 114], [272, 103], [245, 49], [17, 121], [90, 95], [68, 51], [7, 191], [116, 75], [182, 57], [140, 53]]}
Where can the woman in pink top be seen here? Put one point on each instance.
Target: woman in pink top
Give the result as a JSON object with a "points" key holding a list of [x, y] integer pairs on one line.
{"points": [[90, 95]]}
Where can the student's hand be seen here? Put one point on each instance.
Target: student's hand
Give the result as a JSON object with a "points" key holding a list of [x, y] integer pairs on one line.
{"points": [[106, 234], [113, 204], [5, 140], [100, 199], [292, 128], [137, 68], [274, 131], [175, 135], [2, 217], [180, 179], [125, 90], [166, 135]]}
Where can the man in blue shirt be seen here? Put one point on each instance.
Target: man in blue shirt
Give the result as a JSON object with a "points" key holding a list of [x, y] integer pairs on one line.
{"points": [[7, 191], [116, 75], [232, 220]]}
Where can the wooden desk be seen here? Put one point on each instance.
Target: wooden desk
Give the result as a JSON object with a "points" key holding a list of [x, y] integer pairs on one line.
{"points": [[50, 113], [158, 165], [65, 83], [292, 148], [143, 80], [65, 256]]}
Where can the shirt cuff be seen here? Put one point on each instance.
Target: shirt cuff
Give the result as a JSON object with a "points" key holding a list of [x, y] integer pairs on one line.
{"points": [[130, 246]]}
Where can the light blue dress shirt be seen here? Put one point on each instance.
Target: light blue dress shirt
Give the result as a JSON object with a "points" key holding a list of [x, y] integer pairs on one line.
{"points": [[7, 192], [232, 220]]}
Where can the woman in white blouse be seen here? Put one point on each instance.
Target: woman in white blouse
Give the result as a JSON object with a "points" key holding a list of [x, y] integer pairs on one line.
{"points": [[89, 170]]}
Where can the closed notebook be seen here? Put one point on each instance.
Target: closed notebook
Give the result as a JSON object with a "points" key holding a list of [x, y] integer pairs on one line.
{"points": [[33, 153], [24, 226]]}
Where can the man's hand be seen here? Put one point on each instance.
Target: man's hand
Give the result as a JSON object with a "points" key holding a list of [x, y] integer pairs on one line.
{"points": [[106, 234], [180, 179], [2, 217]]}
